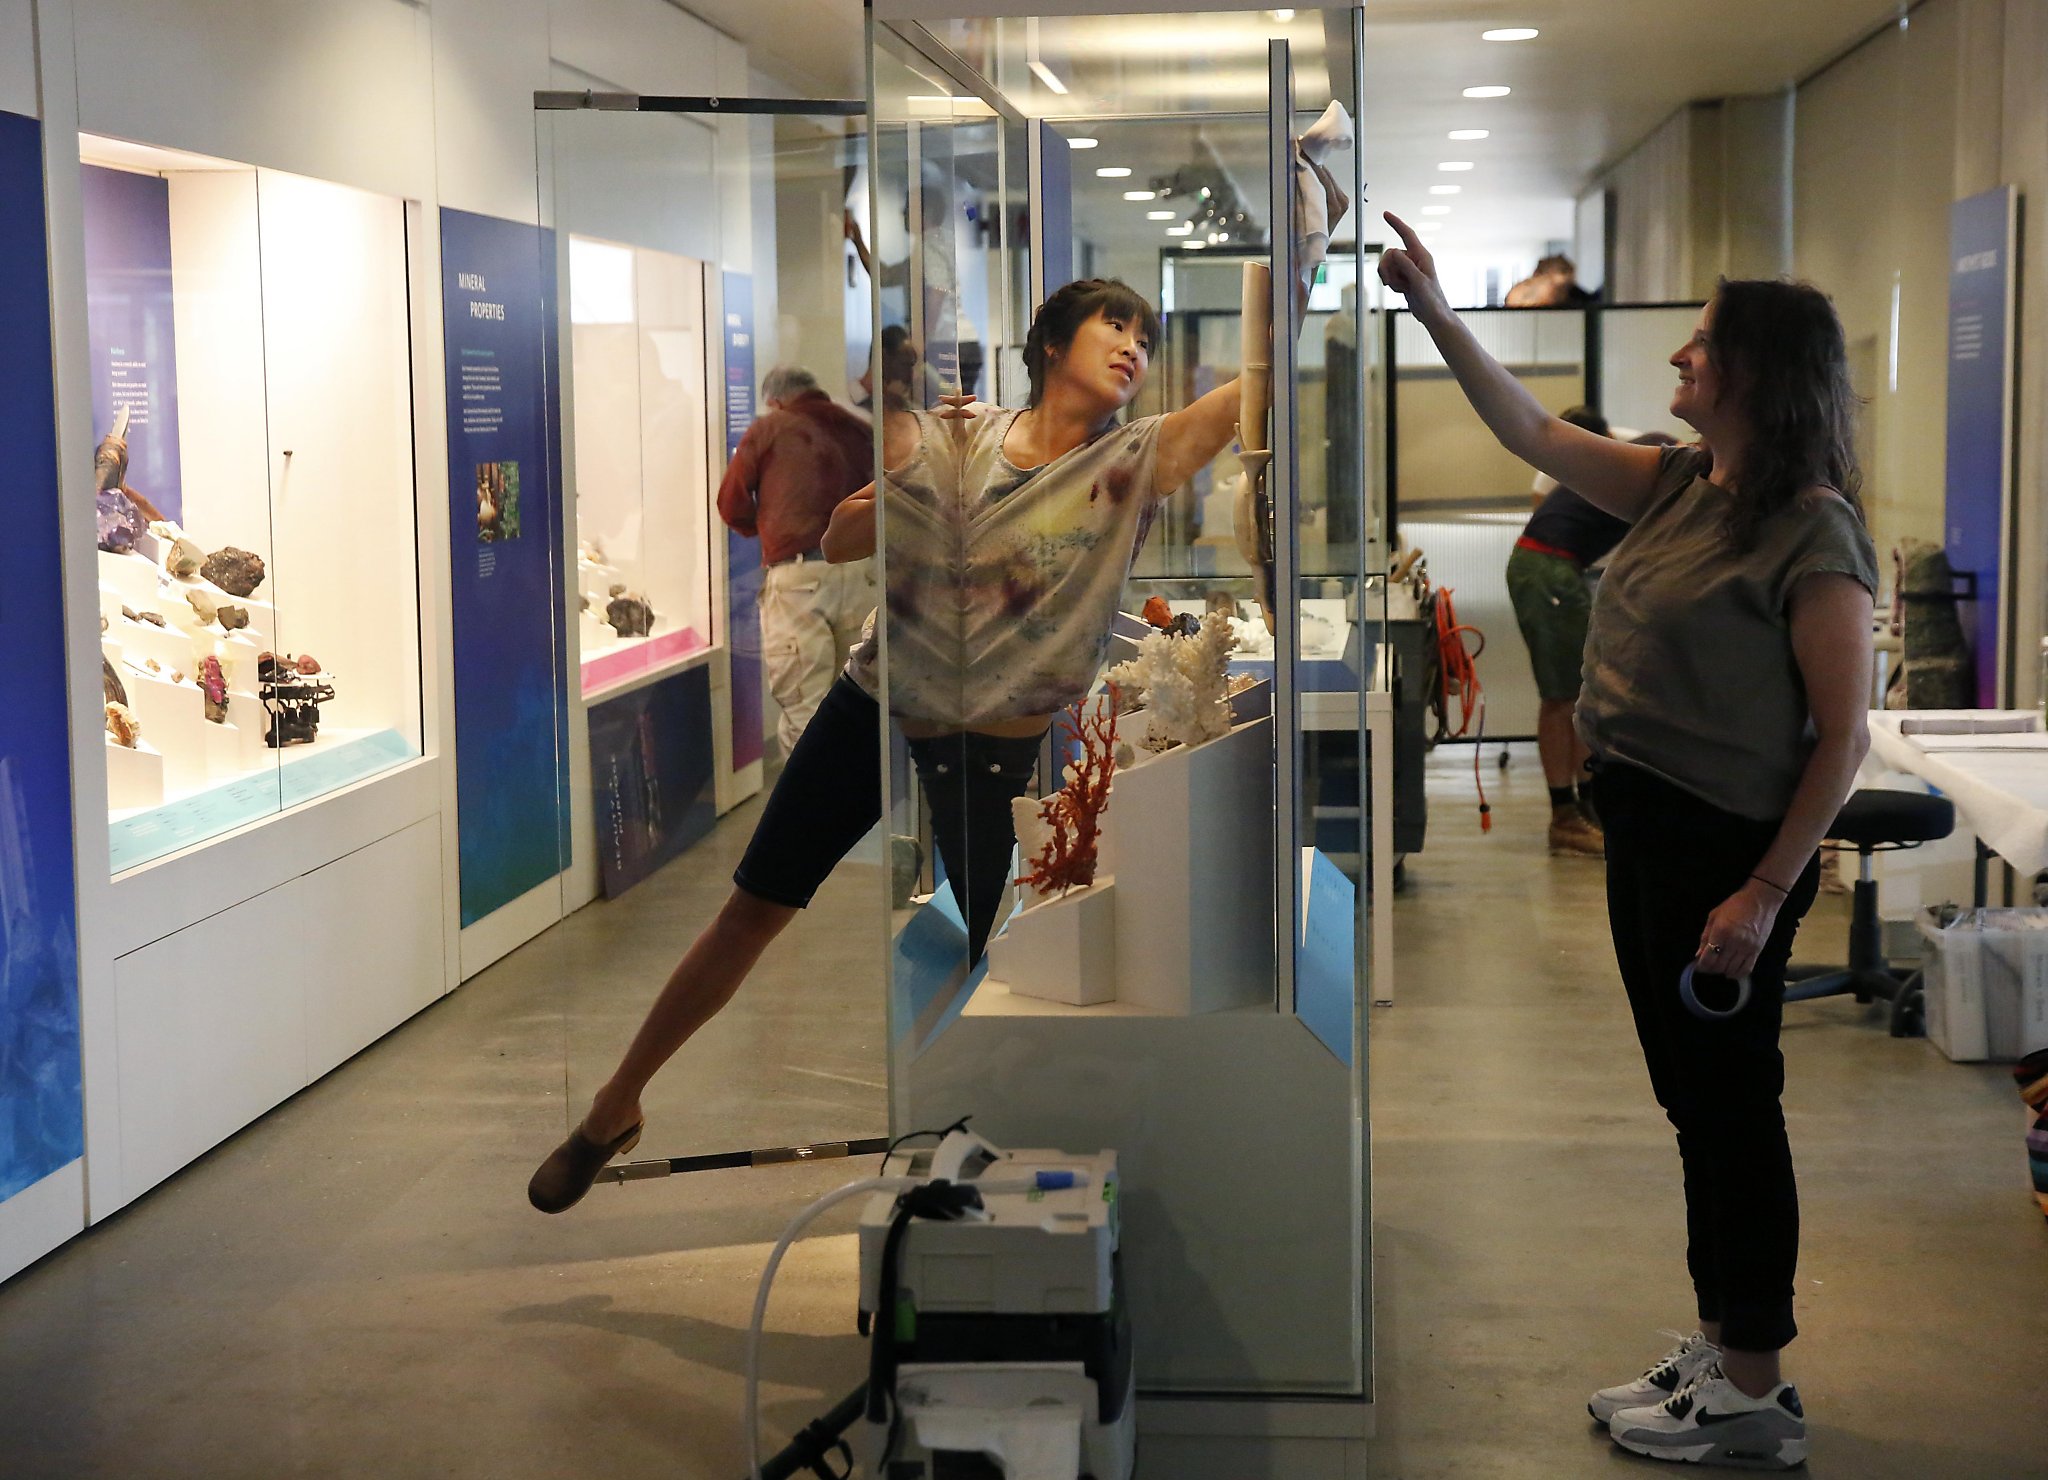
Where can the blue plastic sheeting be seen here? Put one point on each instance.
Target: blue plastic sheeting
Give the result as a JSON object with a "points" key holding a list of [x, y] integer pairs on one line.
{"points": [[1325, 960]]}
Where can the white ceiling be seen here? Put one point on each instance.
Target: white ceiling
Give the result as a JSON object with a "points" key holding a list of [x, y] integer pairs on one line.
{"points": [[1601, 76]]}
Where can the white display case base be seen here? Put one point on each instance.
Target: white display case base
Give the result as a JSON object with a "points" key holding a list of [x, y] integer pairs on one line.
{"points": [[1196, 824], [1062, 949], [135, 777]]}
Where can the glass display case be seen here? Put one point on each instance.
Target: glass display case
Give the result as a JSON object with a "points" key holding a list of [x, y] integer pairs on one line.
{"points": [[637, 417], [1193, 995], [258, 594], [636, 325]]}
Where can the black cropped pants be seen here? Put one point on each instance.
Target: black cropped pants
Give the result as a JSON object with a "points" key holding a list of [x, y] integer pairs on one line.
{"points": [[1671, 859], [830, 793]]}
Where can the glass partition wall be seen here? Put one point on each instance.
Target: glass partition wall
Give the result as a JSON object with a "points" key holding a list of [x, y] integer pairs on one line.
{"points": [[1194, 1000]]}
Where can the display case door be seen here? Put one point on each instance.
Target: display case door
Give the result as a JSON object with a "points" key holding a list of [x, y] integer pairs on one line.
{"points": [[1224, 1063]]}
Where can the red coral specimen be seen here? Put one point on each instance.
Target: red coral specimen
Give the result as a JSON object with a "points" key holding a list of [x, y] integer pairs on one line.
{"points": [[1074, 812]]}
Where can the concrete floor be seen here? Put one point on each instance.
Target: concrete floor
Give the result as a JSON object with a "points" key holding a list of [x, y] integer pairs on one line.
{"points": [[355, 1286], [1528, 1219]]}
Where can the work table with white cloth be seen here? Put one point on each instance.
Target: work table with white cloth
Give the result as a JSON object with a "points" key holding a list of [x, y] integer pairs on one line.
{"points": [[1992, 763]]}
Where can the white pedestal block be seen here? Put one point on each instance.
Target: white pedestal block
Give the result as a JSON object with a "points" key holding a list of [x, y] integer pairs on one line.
{"points": [[131, 577], [1062, 949], [1190, 833], [174, 722], [598, 636], [173, 650], [135, 778]]}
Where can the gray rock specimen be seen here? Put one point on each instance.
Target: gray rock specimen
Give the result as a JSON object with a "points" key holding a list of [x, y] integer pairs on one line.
{"points": [[185, 557], [231, 618], [237, 572], [630, 616]]}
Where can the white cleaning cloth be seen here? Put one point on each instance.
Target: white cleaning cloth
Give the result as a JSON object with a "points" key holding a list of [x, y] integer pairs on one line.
{"points": [[1319, 208]]}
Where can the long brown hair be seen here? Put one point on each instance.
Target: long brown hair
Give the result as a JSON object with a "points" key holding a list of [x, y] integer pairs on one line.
{"points": [[1780, 352]]}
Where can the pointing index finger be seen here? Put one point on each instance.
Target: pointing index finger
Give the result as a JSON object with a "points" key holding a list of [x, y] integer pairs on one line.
{"points": [[1408, 237]]}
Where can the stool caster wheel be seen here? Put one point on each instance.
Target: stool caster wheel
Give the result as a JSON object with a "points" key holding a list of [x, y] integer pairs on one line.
{"points": [[1909, 1009]]}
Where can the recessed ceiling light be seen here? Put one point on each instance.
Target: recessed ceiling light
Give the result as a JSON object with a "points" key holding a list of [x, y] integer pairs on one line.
{"points": [[1141, 195], [1194, 246], [1112, 172], [1051, 79], [1282, 16], [1436, 210], [1429, 225], [1160, 215], [1184, 229], [1445, 189], [1455, 164], [1510, 33], [1456, 133], [1486, 92], [1082, 143]]}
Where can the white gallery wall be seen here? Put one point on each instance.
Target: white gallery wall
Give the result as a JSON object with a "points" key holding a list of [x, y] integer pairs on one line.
{"points": [[189, 1035]]}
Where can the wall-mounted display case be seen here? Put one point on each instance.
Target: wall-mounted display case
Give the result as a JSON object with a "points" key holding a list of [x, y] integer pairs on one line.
{"points": [[258, 586], [642, 469]]}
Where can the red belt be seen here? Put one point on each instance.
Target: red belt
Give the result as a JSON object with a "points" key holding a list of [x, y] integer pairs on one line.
{"points": [[1525, 543]]}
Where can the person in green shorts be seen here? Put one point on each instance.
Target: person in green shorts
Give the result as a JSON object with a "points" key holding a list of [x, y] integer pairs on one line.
{"points": [[1564, 538]]}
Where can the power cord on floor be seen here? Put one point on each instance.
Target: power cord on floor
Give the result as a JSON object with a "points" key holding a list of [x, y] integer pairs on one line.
{"points": [[1458, 678]]}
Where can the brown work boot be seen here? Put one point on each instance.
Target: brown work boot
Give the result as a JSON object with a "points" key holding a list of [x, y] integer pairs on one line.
{"points": [[1571, 833]]}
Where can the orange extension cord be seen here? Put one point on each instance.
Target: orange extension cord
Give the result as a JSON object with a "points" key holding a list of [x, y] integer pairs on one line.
{"points": [[1458, 675]]}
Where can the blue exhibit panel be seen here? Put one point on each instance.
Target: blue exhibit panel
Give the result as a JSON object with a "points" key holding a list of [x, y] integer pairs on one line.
{"points": [[131, 326], [42, 1123], [743, 555], [650, 766], [504, 520], [1980, 289]]}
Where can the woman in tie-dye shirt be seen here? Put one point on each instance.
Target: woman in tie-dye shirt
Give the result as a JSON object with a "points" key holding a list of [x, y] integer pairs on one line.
{"points": [[1010, 535]]}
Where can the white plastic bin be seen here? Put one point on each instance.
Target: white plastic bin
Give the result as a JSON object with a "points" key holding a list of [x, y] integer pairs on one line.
{"points": [[1987, 984]]}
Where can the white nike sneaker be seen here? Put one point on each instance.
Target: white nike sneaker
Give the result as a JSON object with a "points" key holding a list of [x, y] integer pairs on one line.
{"points": [[1677, 1367], [1712, 1421]]}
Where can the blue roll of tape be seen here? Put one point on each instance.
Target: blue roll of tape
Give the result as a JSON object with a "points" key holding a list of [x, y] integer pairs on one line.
{"points": [[1699, 1009]]}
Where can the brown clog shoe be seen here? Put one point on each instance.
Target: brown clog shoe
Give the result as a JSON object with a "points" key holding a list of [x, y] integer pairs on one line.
{"points": [[572, 1168]]}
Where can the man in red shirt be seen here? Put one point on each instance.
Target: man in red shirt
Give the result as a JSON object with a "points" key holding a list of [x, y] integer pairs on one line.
{"points": [[794, 465]]}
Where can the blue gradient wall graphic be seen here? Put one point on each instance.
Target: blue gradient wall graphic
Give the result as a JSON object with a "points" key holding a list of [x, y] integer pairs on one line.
{"points": [[42, 1123], [1980, 394], [505, 532]]}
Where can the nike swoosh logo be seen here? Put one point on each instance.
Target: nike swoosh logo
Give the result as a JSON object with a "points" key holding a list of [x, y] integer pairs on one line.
{"points": [[1707, 1416]]}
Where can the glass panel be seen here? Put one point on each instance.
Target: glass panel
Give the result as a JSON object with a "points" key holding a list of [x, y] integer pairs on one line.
{"points": [[1145, 1011], [664, 351], [1635, 347], [266, 468]]}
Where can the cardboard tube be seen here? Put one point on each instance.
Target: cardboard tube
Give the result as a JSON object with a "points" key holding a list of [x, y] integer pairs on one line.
{"points": [[1255, 380]]}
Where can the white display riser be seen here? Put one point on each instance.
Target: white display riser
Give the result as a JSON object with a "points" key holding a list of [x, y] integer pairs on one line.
{"points": [[136, 583], [1195, 824], [1062, 949], [135, 776], [197, 752]]}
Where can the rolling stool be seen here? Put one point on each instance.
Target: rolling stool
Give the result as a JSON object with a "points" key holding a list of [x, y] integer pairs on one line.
{"points": [[1873, 821]]}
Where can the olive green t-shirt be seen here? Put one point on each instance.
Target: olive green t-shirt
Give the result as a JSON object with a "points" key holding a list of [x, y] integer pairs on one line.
{"points": [[1689, 672]]}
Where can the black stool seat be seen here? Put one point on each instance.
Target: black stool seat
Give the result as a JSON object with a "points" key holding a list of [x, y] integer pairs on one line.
{"points": [[1872, 818]]}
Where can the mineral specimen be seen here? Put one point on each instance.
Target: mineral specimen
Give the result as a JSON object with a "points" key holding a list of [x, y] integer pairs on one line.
{"points": [[129, 613], [232, 617], [203, 606], [111, 687], [237, 572], [630, 616], [308, 664], [1157, 612], [120, 522], [155, 619], [185, 557], [214, 685], [123, 725]]}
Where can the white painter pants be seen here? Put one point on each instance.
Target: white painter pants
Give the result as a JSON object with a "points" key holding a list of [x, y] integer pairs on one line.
{"points": [[811, 616]]}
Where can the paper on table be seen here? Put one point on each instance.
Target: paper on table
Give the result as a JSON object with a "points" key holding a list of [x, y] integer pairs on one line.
{"points": [[1986, 722], [1939, 743]]}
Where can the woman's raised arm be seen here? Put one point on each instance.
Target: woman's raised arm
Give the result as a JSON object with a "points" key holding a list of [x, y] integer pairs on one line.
{"points": [[1615, 476]]}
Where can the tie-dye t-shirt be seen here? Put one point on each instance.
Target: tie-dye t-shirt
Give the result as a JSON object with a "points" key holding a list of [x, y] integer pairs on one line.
{"points": [[1001, 582]]}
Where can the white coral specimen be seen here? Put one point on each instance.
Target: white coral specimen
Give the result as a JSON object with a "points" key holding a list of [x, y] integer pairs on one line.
{"points": [[1183, 683]]}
